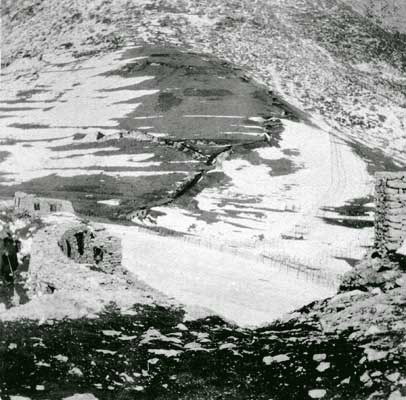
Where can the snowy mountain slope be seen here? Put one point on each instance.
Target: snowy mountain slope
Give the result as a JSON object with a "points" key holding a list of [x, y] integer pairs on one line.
{"points": [[344, 71], [321, 55]]}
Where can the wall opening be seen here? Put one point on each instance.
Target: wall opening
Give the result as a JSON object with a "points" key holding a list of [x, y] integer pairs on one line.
{"points": [[52, 207], [68, 249], [97, 254], [85, 245], [80, 240], [36, 207]]}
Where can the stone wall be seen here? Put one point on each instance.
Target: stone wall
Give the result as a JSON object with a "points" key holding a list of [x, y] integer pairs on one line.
{"points": [[59, 287], [87, 244], [390, 214], [39, 206]]}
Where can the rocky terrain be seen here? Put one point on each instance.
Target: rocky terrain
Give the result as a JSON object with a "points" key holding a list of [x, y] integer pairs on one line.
{"points": [[351, 76], [347, 347], [390, 14], [273, 115]]}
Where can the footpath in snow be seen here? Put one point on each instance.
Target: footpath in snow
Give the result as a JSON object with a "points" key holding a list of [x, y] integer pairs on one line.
{"points": [[287, 209]]}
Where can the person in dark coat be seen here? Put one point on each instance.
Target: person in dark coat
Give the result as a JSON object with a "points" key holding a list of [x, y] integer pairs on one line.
{"points": [[8, 257], [8, 266]]}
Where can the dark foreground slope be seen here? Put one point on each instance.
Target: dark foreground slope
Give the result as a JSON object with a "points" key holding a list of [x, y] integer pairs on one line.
{"points": [[348, 347]]}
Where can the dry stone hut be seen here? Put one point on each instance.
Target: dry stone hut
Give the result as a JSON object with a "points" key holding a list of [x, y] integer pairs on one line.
{"points": [[390, 214], [89, 245], [39, 206]]}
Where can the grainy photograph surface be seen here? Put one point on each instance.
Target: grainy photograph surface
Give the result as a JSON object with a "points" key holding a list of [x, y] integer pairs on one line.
{"points": [[203, 200]]}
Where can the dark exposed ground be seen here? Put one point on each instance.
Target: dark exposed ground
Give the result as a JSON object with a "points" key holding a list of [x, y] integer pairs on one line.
{"points": [[349, 223], [207, 359], [375, 158], [360, 208], [85, 190], [190, 86], [193, 84]]}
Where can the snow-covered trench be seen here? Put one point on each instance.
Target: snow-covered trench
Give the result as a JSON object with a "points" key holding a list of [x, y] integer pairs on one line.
{"points": [[246, 292]]}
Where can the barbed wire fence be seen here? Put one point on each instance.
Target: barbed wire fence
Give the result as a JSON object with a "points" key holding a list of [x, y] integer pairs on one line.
{"points": [[312, 269]]}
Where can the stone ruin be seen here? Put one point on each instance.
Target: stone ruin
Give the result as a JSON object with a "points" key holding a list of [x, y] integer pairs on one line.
{"points": [[390, 215], [86, 244], [38, 206]]}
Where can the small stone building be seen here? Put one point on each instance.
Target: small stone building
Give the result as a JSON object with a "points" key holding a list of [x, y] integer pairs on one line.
{"points": [[39, 206], [87, 244], [390, 213]]}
